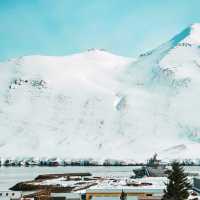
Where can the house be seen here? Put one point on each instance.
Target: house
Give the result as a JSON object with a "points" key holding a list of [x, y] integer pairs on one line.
{"points": [[10, 195]]}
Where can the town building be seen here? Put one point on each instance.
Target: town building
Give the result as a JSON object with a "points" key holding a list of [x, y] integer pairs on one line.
{"points": [[135, 193], [10, 195]]}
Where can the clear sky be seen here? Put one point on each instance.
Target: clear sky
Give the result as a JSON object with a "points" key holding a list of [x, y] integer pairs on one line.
{"points": [[61, 27]]}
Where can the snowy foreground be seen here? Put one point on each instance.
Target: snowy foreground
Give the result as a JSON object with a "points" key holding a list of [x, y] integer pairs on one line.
{"points": [[99, 105], [109, 183]]}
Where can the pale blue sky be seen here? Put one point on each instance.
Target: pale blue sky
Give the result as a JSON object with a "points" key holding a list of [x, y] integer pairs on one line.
{"points": [[61, 27]]}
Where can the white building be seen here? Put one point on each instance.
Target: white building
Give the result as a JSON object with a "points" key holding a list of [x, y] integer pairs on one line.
{"points": [[66, 196], [10, 195]]}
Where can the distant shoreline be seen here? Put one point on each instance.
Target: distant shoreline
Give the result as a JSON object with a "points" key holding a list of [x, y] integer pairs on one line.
{"points": [[133, 165]]}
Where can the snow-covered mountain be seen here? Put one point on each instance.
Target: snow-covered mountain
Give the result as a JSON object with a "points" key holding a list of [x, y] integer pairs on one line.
{"points": [[96, 104]]}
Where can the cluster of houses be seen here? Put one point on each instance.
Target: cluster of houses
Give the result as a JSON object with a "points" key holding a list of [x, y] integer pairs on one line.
{"points": [[63, 162], [31, 161], [84, 186], [135, 194], [98, 194], [105, 188]]}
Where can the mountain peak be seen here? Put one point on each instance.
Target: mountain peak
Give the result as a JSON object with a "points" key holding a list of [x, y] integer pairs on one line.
{"points": [[195, 25], [187, 37], [193, 37]]}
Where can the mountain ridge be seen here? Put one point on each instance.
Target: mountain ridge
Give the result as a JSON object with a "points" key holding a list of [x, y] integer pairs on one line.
{"points": [[96, 104]]}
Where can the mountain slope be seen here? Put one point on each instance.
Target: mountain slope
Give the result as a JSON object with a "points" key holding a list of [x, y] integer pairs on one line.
{"points": [[59, 105], [169, 76], [96, 104]]}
